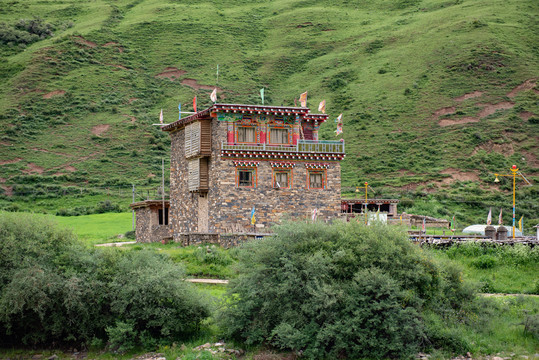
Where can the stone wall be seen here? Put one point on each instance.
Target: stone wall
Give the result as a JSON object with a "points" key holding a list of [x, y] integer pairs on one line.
{"points": [[147, 226]]}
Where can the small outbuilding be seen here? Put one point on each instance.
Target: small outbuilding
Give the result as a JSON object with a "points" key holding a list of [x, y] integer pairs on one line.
{"points": [[152, 221]]}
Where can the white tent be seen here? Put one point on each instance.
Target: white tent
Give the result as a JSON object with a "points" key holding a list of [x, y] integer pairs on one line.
{"points": [[480, 230]]}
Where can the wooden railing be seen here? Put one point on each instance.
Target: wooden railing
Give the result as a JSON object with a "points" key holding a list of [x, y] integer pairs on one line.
{"points": [[303, 146]]}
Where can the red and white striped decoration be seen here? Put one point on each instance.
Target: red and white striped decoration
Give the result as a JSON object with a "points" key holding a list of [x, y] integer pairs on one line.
{"points": [[246, 163], [282, 164], [317, 165]]}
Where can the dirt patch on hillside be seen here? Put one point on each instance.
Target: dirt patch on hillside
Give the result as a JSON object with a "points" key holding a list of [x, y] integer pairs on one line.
{"points": [[8, 190], [469, 96], [458, 175], [526, 115], [132, 99], [33, 168], [131, 118], [504, 149], [195, 85], [464, 120], [444, 111], [5, 143], [54, 93], [526, 85], [171, 73], [489, 109], [70, 168], [5, 162], [100, 129], [110, 43], [83, 41], [531, 159]]}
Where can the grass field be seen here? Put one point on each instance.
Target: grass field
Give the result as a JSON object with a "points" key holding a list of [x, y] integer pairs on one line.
{"points": [[76, 108]]}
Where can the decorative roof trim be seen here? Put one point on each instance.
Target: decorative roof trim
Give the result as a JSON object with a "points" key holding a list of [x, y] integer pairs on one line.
{"points": [[317, 165], [246, 163], [282, 164], [266, 155]]}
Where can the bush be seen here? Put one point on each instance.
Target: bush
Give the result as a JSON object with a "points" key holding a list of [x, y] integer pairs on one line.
{"points": [[342, 290], [484, 262], [54, 291]]}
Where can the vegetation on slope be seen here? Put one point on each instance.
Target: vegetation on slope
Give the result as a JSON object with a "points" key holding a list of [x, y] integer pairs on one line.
{"points": [[437, 95]]}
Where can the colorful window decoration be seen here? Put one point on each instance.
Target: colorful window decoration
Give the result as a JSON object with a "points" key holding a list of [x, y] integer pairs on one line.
{"points": [[246, 173], [246, 134], [280, 135], [316, 175]]}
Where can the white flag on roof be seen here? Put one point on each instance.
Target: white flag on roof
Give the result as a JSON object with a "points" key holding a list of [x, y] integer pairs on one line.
{"points": [[213, 95], [161, 116]]}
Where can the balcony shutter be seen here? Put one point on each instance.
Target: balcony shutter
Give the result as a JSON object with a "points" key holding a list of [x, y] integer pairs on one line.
{"points": [[193, 167]]}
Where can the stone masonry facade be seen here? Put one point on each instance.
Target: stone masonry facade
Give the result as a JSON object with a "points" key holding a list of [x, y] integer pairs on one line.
{"points": [[148, 228]]}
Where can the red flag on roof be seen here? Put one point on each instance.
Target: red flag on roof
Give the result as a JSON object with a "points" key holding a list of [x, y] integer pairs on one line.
{"points": [[195, 104]]}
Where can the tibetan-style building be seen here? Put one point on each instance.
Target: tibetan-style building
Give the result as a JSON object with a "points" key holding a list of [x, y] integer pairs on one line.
{"points": [[230, 158]]}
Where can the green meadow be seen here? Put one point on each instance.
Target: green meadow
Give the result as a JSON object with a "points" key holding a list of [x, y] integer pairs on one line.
{"points": [[76, 107]]}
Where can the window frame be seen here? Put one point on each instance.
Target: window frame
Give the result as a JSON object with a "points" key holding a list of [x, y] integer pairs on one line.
{"points": [[288, 130], [322, 172], [281, 171], [252, 170], [237, 134]]}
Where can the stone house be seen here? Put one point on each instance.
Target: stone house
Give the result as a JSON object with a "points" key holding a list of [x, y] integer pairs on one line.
{"points": [[231, 158], [152, 223]]}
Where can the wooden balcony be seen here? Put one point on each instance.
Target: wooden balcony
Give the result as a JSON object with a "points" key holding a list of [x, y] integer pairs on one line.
{"points": [[303, 146]]}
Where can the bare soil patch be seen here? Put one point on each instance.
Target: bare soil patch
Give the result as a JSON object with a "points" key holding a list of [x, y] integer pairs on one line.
{"points": [[445, 111], [195, 85], [490, 109], [132, 118], [8, 190], [132, 99], [469, 96], [70, 168], [504, 149], [100, 129], [83, 41], [110, 43], [458, 175], [464, 120], [526, 115], [54, 93], [531, 158], [526, 85], [171, 73], [5, 162], [33, 168], [5, 143]]}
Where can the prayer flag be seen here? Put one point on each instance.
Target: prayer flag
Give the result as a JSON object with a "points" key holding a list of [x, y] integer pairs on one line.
{"points": [[217, 69], [489, 217], [314, 215], [339, 119], [423, 227], [180, 110], [453, 224], [213, 95], [500, 219], [401, 219], [339, 129], [520, 224], [322, 106], [195, 104], [161, 116], [303, 99], [253, 219], [262, 95]]}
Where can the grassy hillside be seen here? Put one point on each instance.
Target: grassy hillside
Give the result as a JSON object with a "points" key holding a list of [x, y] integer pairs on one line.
{"points": [[437, 95]]}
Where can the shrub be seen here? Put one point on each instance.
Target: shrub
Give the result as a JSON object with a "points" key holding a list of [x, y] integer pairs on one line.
{"points": [[53, 290], [484, 262], [343, 290]]}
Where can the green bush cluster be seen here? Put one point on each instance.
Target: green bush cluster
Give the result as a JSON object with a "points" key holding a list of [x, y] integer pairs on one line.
{"points": [[342, 290], [53, 291], [103, 207], [489, 255], [25, 31]]}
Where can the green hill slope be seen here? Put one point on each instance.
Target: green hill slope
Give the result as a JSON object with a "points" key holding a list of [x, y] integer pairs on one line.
{"points": [[436, 95]]}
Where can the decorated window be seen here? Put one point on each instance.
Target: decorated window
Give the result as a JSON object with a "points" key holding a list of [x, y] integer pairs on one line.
{"points": [[316, 179], [317, 175], [246, 134], [246, 173], [279, 136], [282, 174]]}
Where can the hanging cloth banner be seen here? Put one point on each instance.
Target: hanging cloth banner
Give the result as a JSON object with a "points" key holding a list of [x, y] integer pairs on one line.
{"points": [[195, 104], [253, 219], [339, 129], [262, 95], [303, 99], [500, 219], [489, 217], [161, 116], [180, 110], [520, 224], [322, 106], [339, 119], [453, 224], [213, 95], [314, 215]]}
